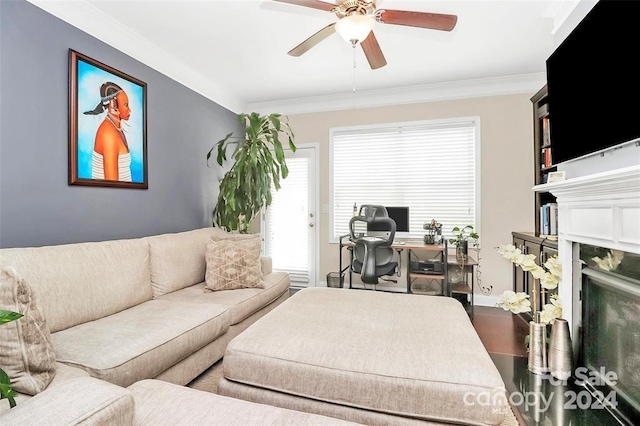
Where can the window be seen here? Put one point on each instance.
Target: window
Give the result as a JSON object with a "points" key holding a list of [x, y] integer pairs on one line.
{"points": [[429, 166]]}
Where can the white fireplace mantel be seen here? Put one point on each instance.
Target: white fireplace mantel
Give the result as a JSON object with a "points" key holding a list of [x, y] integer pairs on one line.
{"points": [[601, 209]]}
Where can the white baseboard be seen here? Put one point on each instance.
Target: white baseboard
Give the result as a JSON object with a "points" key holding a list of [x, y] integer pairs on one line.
{"points": [[482, 300]]}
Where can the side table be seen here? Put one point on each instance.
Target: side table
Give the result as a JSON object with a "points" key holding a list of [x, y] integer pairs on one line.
{"points": [[461, 281]]}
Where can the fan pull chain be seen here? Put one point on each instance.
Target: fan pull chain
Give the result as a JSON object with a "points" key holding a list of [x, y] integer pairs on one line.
{"points": [[353, 44]]}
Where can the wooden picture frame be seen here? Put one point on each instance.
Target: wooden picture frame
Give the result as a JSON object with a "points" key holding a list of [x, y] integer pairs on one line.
{"points": [[107, 126]]}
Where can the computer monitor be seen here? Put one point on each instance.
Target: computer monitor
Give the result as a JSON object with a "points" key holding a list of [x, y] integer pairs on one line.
{"points": [[400, 216]]}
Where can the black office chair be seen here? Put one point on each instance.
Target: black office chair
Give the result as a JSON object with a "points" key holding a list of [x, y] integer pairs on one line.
{"points": [[373, 255]]}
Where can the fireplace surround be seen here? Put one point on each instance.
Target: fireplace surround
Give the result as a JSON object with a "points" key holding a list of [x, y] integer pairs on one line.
{"points": [[600, 213]]}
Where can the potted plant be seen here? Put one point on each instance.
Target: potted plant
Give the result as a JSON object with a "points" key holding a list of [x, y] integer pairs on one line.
{"points": [[6, 391], [259, 164], [434, 232], [461, 238]]}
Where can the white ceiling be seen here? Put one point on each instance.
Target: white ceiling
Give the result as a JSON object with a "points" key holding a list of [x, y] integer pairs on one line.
{"points": [[235, 52]]}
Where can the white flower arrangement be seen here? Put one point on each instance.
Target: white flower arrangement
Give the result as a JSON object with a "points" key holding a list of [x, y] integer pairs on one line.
{"points": [[549, 277], [514, 302], [551, 311]]}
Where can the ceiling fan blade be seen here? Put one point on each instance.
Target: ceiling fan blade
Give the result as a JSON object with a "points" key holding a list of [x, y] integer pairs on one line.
{"points": [[433, 21], [313, 40], [373, 52], [315, 4]]}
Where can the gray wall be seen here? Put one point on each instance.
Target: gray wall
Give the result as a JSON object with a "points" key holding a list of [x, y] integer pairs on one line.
{"points": [[37, 206]]}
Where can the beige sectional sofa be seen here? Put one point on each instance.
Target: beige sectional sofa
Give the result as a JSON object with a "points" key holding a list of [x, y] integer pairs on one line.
{"points": [[89, 401], [127, 310]]}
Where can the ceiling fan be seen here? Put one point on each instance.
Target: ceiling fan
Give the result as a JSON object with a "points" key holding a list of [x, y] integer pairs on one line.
{"points": [[356, 21]]}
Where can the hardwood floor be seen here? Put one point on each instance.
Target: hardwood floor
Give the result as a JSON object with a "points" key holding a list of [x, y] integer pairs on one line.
{"points": [[501, 331]]}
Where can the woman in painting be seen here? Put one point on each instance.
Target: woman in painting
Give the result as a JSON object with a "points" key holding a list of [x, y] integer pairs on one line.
{"points": [[111, 158]]}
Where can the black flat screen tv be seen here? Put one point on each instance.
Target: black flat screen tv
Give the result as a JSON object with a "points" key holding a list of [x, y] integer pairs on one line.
{"points": [[593, 82]]}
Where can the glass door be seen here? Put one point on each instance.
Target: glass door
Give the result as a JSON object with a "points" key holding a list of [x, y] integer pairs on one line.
{"points": [[289, 224]]}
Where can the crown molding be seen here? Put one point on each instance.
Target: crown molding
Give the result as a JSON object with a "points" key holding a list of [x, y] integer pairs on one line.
{"points": [[508, 85], [566, 15], [94, 22], [559, 12]]}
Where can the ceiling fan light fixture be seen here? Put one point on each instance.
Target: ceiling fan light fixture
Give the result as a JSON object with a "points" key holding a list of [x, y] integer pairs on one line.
{"points": [[355, 28]]}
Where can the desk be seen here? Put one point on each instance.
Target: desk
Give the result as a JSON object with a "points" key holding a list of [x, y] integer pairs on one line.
{"points": [[456, 280], [400, 246], [435, 284]]}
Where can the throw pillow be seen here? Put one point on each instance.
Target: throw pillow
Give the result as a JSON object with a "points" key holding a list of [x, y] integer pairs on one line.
{"points": [[233, 263], [26, 348]]}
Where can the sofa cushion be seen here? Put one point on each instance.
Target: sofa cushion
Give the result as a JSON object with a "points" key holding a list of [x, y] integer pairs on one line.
{"points": [[233, 264], [81, 401], [76, 283], [140, 342], [194, 407], [241, 303], [26, 349], [407, 355], [63, 373], [177, 260]]}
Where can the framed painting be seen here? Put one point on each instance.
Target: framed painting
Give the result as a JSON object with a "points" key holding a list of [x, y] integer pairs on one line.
{"points": [[107, 125]]}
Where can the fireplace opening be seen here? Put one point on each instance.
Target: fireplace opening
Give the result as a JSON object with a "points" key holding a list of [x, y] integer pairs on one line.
{"points": [[609, 346]]}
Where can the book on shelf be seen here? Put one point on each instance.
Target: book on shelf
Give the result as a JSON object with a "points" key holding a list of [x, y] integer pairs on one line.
{"points": [[549, 220], [546, 160], [546, 131], [544, 219], [553, 219]]}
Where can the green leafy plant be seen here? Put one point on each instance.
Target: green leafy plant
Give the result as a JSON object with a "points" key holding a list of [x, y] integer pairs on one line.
{"points": [[6, 391], [259, 164], [464, 234]]}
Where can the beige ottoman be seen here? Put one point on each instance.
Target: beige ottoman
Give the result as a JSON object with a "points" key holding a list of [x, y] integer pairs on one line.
{"points": [[368, 357]]}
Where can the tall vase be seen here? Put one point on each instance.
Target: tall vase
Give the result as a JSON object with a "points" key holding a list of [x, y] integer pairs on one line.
{"points": [[462, 250], [560, 350], [537, 346]]}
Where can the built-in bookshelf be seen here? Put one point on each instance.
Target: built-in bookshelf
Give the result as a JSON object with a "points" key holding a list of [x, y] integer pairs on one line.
{"points": [[545, 202]]}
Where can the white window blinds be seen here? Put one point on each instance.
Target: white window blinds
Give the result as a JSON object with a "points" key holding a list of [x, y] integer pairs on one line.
{"points": [[429, 167]]}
